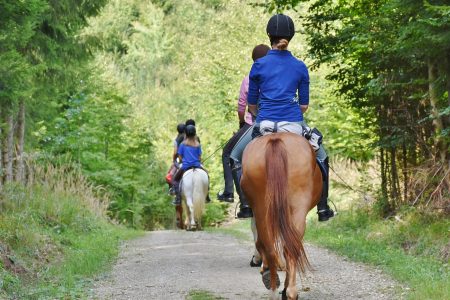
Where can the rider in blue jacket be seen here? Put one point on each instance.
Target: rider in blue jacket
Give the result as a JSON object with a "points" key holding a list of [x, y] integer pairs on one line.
{"points": [[279, 95], [190, 153]]}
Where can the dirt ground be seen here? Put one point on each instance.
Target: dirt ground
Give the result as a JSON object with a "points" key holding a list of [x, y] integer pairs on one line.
{"points": [[172, 264]]}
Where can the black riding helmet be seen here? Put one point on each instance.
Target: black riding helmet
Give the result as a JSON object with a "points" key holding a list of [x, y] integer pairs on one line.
{"points": [[180, 128], [280, 27], [190, 131], [190, 122]]}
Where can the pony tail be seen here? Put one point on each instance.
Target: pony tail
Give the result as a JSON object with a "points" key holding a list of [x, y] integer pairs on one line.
{"points": [[283, 231], [282, 44]]}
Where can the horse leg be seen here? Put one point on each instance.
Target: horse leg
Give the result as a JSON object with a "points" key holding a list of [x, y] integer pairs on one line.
{"points": [[269, 274], [290, 285], [266, 247], [190, 212], [290, 288], [274, 279], [256, 259], [179, 216]]}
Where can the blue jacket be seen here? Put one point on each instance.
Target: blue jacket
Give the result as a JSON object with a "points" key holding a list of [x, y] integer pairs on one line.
{"points": [[190, 156], [275, 80]]}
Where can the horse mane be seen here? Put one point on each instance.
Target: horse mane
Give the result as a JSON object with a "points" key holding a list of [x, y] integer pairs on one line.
{"points": [[286, 238]]}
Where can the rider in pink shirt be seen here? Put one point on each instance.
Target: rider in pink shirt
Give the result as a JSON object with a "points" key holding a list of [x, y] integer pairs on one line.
{"points": [[244, 116], [245, 123]]}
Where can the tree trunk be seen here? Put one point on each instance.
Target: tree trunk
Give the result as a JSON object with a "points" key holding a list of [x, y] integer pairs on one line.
{"points": [[444, 72], [405, 172], [394, 179], [434, 98], [383, 175], [7, 147], [20, 135]]}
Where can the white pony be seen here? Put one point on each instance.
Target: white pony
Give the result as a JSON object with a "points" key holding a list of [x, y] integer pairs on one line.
{"points": [[194, 189]]}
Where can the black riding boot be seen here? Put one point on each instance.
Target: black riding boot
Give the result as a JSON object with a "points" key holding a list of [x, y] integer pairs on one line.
{"points": [[177, 199], [244, 209], [323, 210]]}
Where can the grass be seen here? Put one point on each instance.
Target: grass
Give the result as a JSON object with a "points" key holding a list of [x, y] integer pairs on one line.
{"points": [[413, 249], [54, 237], [81, 259], [202, 295]]}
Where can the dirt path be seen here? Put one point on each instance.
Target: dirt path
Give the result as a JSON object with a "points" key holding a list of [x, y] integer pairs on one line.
{"points": [[173, 264]]}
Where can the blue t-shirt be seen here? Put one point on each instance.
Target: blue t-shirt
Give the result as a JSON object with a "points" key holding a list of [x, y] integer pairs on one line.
{"points": [[275, 80], [190, 155]]}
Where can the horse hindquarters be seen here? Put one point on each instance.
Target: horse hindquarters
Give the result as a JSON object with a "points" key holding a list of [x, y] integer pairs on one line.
{"points": [[194, 189], [200, 191], [267, 182]]}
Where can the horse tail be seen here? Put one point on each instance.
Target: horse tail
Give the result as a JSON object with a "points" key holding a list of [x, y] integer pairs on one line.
{"points": [[285, 235], [198, 194]]}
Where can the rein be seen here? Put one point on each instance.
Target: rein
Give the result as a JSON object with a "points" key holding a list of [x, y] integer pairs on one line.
{"points": [[346, 185], [214, 152]]}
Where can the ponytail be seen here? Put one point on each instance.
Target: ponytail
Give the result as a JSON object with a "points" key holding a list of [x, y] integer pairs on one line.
{"points": [[282, 44]]}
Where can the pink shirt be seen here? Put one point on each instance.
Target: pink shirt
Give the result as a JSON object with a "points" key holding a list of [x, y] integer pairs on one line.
{"points": [[242, 102]]}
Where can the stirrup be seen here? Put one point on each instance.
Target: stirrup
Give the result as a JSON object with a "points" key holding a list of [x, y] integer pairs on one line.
{"points": [[325, 214], [245, 212]]}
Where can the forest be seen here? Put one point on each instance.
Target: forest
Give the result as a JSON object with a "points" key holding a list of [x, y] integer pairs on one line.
{"points": [[91, 93]]}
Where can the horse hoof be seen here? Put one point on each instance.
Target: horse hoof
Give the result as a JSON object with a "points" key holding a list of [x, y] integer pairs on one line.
{"points": [[192, 228], [266, 279], [284, 296], [255, 264]]}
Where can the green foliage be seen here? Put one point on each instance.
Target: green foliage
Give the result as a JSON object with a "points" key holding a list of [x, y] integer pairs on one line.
{"points": [[412, 247], [389, 61], [346, 133], [102, 79], [17, 28], [215, 213], [168, 66], [106, 82], [57, 233]]}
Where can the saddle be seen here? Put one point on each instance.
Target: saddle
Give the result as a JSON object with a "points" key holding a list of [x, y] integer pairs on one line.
{"points": [[314, 136]]}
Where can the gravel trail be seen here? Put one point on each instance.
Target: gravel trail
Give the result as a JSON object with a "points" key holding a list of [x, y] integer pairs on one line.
{"points": [[172, 264]]}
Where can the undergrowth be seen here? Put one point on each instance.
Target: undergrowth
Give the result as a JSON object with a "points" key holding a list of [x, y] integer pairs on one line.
{"points": [[54, 236], [412, 247]]}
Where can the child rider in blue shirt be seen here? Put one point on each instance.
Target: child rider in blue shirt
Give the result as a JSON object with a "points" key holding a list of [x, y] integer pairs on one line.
{"points": [[190, 152]]}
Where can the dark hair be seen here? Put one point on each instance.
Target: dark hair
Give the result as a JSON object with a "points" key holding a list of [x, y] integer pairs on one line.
{"points": [[190, 122], [260, 51], [190, 131], [180, 128]]}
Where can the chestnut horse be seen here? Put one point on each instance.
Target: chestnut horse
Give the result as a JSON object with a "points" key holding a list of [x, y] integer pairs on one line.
{"points": [[282, 182]]}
